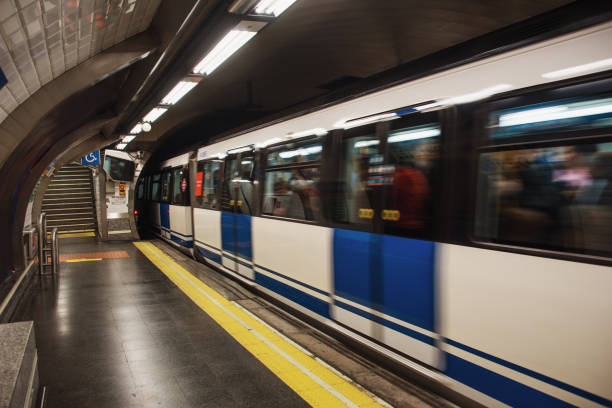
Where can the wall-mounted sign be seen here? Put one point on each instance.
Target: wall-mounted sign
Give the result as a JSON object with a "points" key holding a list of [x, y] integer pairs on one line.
{"points": [[3, 79], [91, 159], [121, 189]]}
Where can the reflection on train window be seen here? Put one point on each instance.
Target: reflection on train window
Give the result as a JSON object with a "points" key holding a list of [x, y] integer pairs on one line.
{"points": [[140, 192], [207, 183], [551, 197], [355, 202], [180, 187], [155, 188], [568, 114], [292, 193], [410, 178], [227, 194], [291, 155], [243, 186], [165, 186]]}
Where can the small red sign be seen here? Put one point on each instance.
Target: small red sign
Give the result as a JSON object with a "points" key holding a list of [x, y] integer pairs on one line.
{"points": [[198, 186], [184, 185]]}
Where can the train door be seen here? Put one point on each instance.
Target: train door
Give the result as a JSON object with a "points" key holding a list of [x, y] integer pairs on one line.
{"points": [[384, 252], [237, 203], [164, 204]]}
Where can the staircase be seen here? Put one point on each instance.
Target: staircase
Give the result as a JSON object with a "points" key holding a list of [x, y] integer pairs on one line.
{"points": [[69, 200]]}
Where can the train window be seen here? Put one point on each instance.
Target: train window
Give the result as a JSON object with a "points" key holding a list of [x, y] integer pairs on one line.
{"points": [[356, 205], [293, 193], [165, 186], [155, 190], [291, 155], [567, 114], [556, 197], [180, 186], [230, 171], [243, 184], [140, 190], [207, 184], [409, 178]]}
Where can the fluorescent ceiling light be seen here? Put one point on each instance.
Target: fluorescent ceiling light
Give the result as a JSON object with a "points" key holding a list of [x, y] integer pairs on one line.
{"points": [[120, 146], [240, 150], [415, 134], [181, 89], [309, 132], [154, 114], [366, 143], [570, 111], [136, 129], [273, 7], [128, 138], [370, 119], [228, 45], [591, 66], [300, 152]]}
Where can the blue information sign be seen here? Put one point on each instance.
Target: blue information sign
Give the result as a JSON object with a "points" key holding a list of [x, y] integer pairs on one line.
{"points": [[3, 79], [91, 159]]}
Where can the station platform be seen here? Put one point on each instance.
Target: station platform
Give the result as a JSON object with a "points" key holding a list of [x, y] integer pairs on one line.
{"points": [[143, 325]]}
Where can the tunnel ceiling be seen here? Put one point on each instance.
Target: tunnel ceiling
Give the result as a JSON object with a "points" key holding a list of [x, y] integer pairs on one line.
{"points": [[41, 39], [318, 45]]}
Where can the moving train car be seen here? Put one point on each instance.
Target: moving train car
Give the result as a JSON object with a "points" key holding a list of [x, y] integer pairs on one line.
{"points": [[168, 212], [459, 223]]}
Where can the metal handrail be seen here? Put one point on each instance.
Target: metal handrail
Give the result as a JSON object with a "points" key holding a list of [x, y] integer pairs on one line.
{"points": [[54, 251], [47, 246]]}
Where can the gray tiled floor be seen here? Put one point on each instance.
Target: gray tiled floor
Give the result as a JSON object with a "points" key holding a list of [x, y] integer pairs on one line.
{"points": [[118, 333]]}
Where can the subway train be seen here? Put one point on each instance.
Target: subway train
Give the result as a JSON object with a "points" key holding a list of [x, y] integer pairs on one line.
{"points": [[459, 223]]}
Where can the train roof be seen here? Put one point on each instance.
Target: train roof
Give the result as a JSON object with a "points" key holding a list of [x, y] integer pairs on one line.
{"points": [[520, 68]]}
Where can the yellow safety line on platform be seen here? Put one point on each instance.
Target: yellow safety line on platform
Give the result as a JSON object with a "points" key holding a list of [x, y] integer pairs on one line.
{"points": [[314, 381], [83, 260], [77, 235]]}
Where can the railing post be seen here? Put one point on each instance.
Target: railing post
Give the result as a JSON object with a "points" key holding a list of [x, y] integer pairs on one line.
{"points": [[42, 241], [54, 252]]}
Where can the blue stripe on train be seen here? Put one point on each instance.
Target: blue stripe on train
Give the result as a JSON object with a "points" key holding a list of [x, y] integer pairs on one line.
{"points": [[238, 260], [497, 386], [531, 373], [303, 299], [209, 254], [399, 328], [180, 241]]}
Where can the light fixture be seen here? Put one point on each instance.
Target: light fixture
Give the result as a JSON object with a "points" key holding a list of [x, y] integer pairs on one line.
{"points": [[128, 138], [347, 124], [146, 127], [120, 146], [228, 45], [273, 7], [579, 69], [136, 129], [414, 134], [309, 132], [181, 89], [568, 111], [240, 150], [366, 143], [154, 114]]}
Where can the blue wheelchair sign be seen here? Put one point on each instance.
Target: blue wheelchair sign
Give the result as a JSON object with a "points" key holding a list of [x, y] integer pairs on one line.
{"points": [[91, 159]]}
